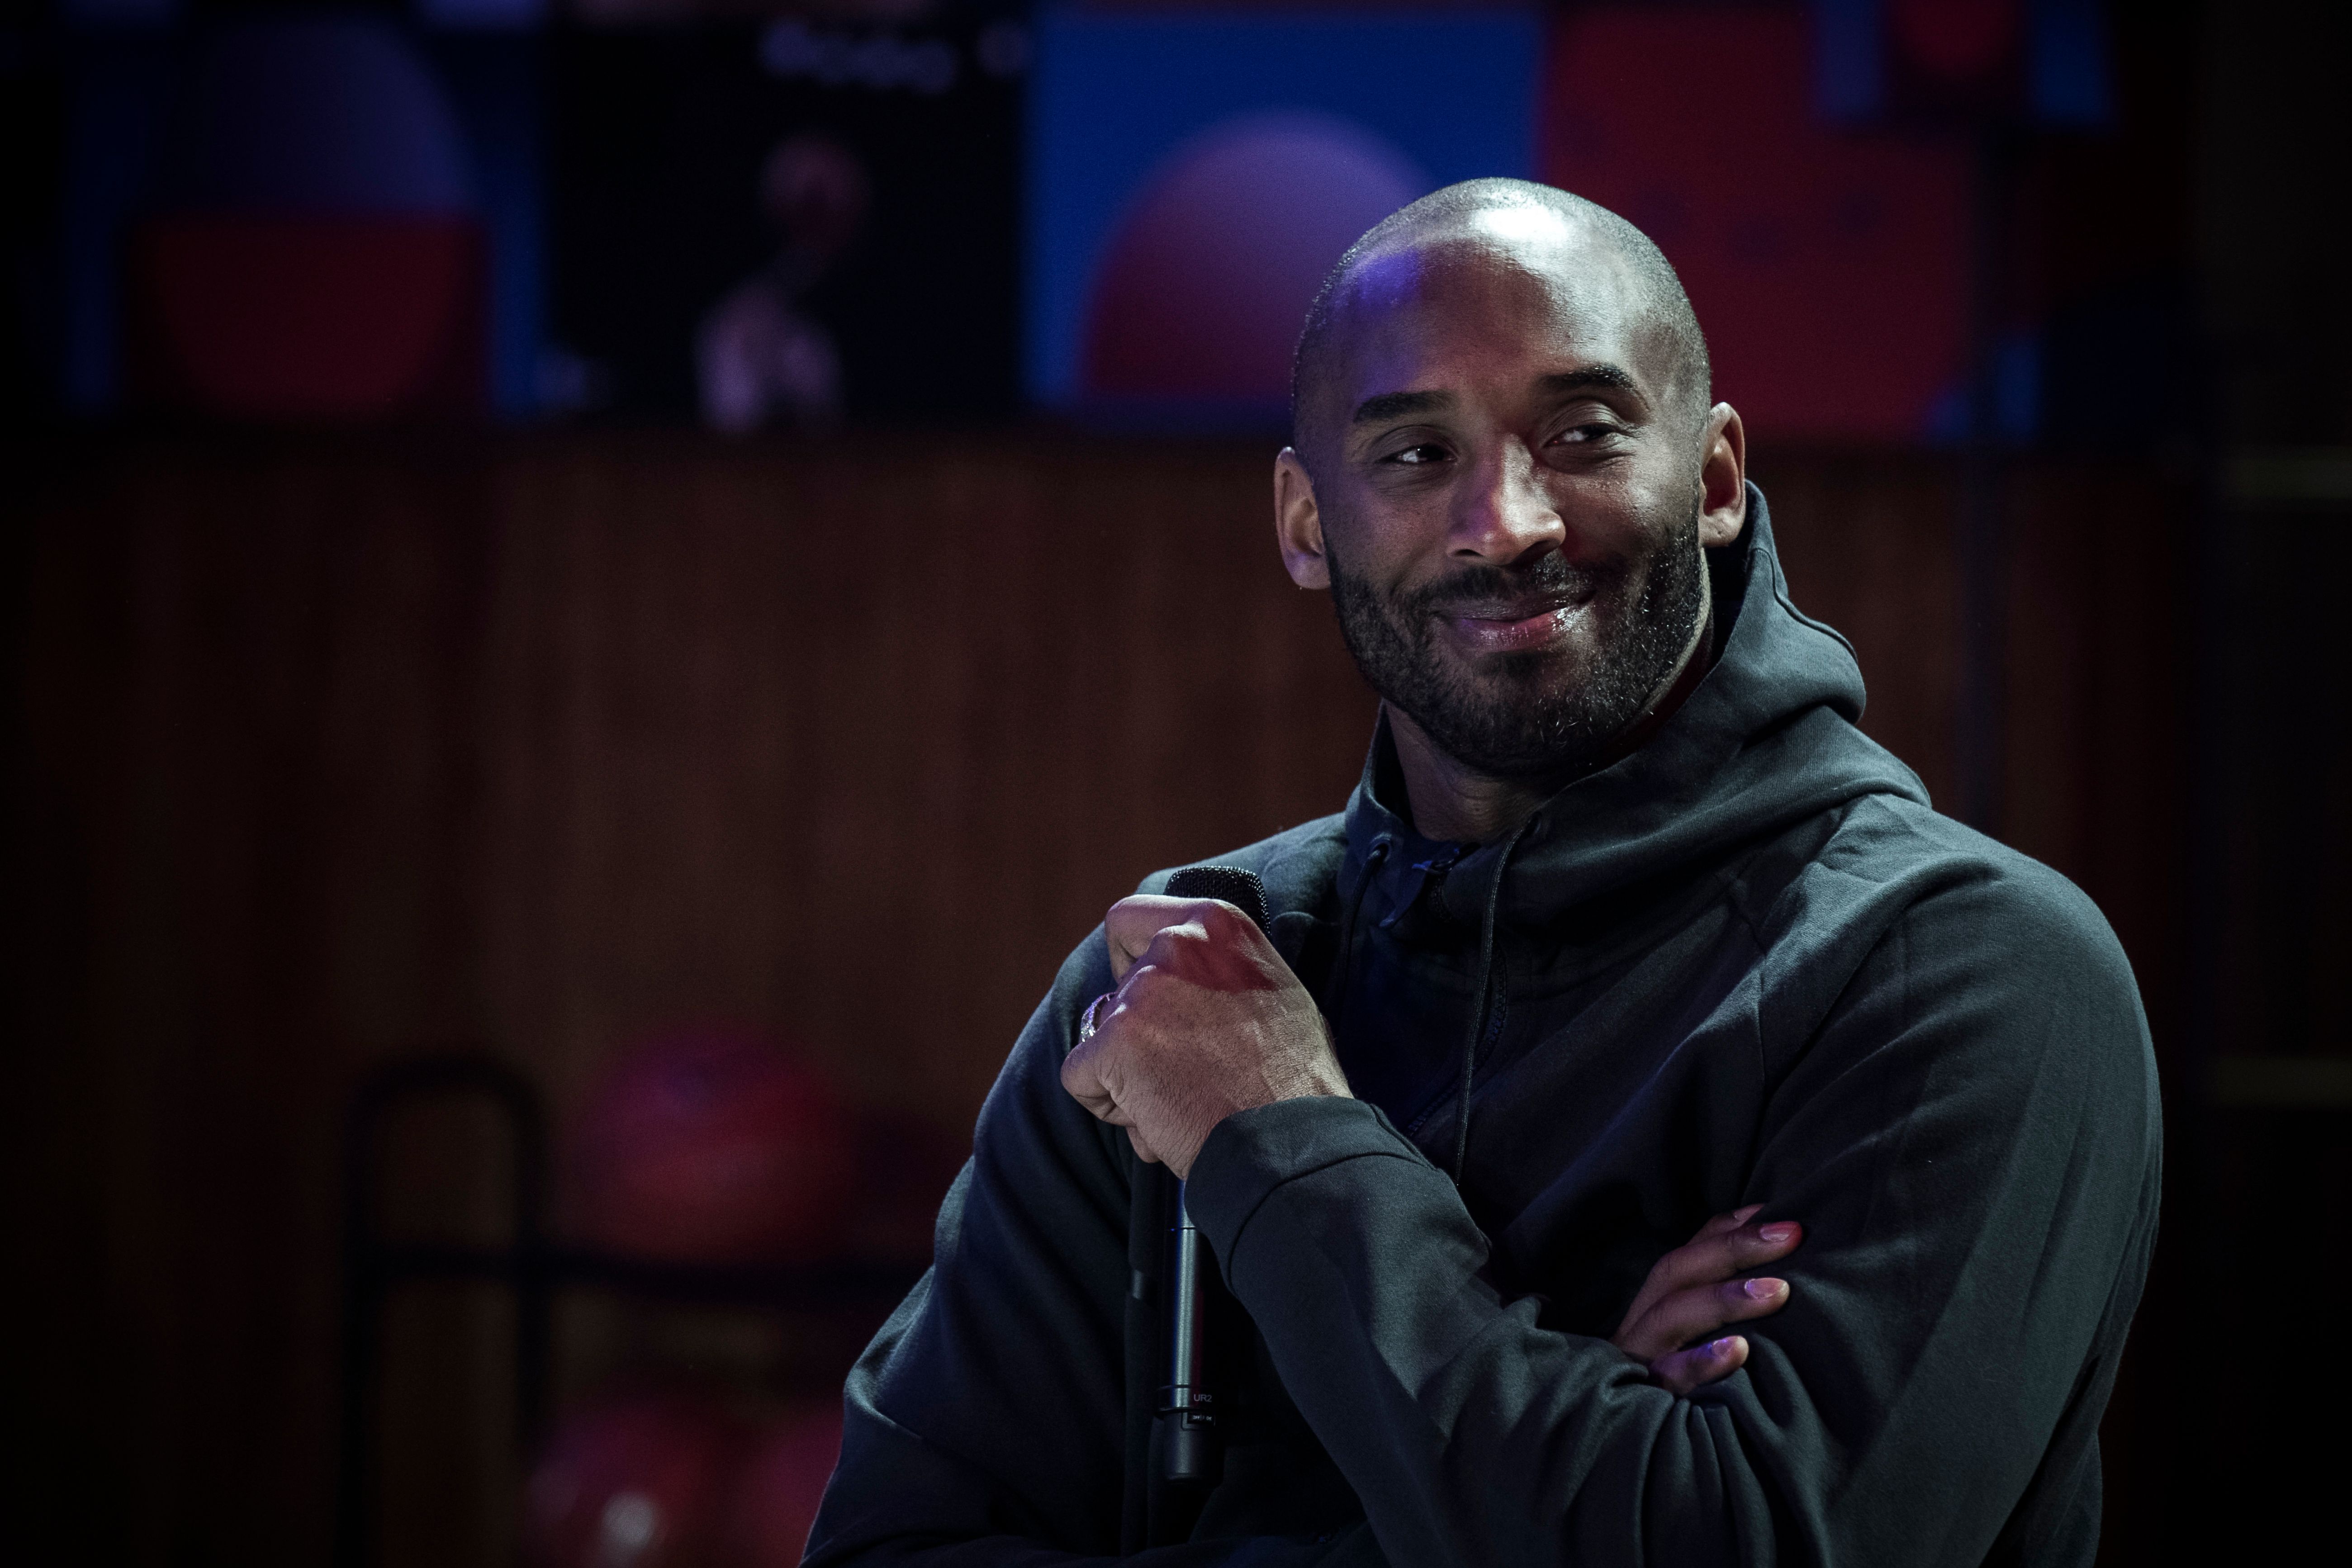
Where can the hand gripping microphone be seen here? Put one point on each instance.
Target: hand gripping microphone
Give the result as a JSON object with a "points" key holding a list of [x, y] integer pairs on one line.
{"points": [[1192, 1449]]}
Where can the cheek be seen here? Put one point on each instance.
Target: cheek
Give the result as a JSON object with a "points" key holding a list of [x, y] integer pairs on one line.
{"points": [[1364, 544], [1392, 536], [1620, 514]]}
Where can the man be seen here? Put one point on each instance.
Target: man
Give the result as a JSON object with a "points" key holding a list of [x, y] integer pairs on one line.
{"points": [[1627, 926]]}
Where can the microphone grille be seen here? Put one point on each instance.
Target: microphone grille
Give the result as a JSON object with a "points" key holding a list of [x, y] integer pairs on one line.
{"points": [[1234, 884]]}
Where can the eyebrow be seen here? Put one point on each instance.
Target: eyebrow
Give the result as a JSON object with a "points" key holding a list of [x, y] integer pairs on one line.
{"points": [[1389, 405], [1398, 405], [1591, 375]]}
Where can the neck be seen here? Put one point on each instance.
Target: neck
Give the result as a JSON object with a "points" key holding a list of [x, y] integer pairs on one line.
{"points": [[1451, 800]]}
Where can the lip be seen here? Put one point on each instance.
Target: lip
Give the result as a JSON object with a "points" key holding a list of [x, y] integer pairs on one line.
{"points": [[1507, 631]]}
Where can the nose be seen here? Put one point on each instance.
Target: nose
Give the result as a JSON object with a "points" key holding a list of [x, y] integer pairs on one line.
{"points": [[1502, 515]]}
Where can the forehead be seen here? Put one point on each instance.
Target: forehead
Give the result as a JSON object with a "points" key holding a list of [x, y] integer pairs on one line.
{"points": [[1504, 293]]}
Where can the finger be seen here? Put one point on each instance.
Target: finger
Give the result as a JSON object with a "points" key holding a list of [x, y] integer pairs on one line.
{"points": [[1708, 1258], [1679, 1371], [1723, 1247], [1756, 1244], [1081, 1077], [1723, 1224], [1674, 1272], [1132, 923], [1082, 1080], [1686, 1315]]}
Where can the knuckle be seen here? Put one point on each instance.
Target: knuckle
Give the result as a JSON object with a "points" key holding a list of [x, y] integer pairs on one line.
{"points": [[1132, 911], [1677, 1317], [1224, 924], [1697, 1266], [1172, 943], [1687, 1259]]}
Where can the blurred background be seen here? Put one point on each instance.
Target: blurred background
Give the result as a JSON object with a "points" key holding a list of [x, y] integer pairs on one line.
{"points": [[597, 590]]}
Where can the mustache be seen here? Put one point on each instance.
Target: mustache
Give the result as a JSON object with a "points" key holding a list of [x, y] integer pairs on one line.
{"points": [[1511, 593]]}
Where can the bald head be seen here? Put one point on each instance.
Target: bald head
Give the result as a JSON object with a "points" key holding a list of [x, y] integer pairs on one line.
{"points": [[1571, 244]]}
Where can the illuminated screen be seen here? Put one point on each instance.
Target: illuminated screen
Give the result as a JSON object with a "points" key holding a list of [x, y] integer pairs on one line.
{"points": [[1192, 176]]}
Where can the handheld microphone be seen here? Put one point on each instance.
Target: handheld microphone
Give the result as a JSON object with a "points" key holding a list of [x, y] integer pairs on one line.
{"points": [[1193, 1448]]}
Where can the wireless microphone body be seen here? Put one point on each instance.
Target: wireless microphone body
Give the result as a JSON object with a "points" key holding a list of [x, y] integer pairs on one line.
{"points": [[1193, 1448]]}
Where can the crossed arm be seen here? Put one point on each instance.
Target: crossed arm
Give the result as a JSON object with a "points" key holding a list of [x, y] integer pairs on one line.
{"points": [[1208, 1021], [1964, 1279]]}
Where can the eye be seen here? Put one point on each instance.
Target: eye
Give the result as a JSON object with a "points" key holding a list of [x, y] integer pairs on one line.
{"points": [[1426, 452], [1585, 435]]}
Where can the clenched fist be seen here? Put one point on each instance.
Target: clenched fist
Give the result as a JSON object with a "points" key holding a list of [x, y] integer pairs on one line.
{"points": [[1207, 1020]]}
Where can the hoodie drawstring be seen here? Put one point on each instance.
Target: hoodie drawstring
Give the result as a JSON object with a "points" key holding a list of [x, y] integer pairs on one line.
{"points": [[1479, 1007], [1372, 864]]}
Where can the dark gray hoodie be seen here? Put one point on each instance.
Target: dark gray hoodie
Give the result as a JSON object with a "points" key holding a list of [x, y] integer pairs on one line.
{"points": [[1747, 965]]}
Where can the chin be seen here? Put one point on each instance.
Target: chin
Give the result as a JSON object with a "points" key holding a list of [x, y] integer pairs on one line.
{"points": [[1541, 677]]}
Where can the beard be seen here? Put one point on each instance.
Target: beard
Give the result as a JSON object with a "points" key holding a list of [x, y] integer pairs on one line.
{"points": [[1529, 715]]}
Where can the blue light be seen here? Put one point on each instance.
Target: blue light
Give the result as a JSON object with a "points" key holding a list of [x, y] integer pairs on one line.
{"points": [[1112, 95]]}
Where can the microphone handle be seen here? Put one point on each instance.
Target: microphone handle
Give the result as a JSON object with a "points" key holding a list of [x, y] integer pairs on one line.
{"points": [[1194, 1448]]}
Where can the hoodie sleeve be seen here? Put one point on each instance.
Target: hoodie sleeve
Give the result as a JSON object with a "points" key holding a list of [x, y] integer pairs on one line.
{"points": [[1970, 1138], [985, 1424]]}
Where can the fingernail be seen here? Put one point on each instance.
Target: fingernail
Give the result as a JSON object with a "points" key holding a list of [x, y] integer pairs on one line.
{"points": [[1741, 1216], [1778, 1232], [1763, 1289], [1723, 1346]]}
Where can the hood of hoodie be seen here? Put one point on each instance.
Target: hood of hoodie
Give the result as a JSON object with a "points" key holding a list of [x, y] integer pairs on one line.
{"points": [[1767, 738]]}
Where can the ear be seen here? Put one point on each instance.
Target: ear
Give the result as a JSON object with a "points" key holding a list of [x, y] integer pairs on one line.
{"points": [[1298, 522], [1723, 476]]}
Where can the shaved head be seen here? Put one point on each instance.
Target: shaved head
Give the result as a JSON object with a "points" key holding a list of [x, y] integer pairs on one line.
{"points": [[1580, 245]]}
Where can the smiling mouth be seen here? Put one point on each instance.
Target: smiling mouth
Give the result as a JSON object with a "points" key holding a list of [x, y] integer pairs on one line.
{"points": [[1497, 628]]}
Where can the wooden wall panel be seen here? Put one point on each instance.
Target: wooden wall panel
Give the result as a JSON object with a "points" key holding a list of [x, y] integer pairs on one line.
{"points": [[341, 749], [1867, 540], [861, 750]]}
